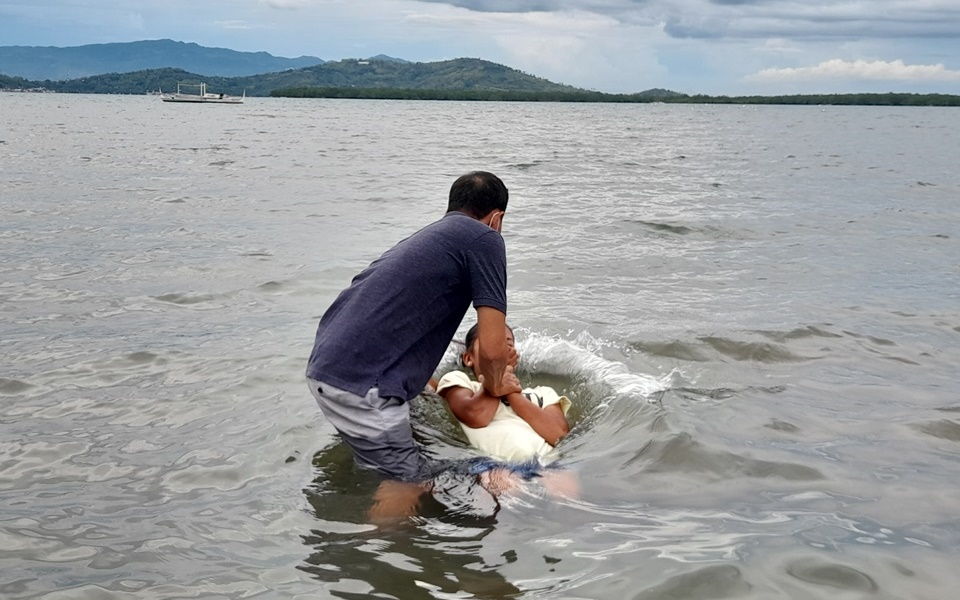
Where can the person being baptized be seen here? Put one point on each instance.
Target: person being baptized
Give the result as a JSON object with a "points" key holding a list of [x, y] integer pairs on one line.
{"points": [[516, 432]]}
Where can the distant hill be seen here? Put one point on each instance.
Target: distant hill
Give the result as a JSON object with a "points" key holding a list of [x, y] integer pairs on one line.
{"points": [[16, 83], [661, 94], [137, 82], [53, 63], [458, 74], [381, 93], [379, 76], [386, 58]]}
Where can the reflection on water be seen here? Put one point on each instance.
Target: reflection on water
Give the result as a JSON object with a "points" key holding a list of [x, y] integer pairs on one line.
{"points": [[437, 553], [754, 310]]}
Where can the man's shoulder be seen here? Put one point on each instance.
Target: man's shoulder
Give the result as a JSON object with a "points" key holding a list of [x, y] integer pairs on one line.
{"points": [[457, 233], [459, 224]]}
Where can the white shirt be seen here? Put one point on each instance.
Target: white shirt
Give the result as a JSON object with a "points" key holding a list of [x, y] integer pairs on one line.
{"points": [[507, 437]]}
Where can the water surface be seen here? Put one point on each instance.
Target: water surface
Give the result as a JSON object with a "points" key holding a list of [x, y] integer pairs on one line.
{"points": [[755, 310]]}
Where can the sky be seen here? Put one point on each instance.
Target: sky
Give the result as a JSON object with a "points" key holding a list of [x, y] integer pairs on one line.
{"points": [[691, 46]]}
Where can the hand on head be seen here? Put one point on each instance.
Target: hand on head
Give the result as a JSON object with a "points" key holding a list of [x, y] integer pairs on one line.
{"points": [[470, 353], [484, 353]]}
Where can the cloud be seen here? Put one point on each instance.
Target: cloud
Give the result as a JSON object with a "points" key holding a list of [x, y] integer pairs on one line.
{"points": [[778, 46], [286, 4], [573, 47], [877, 70], [233, 24], [574, 23], [746, 19], [505, 6], [522, 6]]}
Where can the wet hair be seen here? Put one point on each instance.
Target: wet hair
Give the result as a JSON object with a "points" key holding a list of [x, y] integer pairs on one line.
{"points": [[477, 193], [471, 336]]}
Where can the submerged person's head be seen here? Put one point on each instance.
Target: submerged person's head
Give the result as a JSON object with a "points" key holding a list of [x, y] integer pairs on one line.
{"points": [[478, 194], [472, 348]]}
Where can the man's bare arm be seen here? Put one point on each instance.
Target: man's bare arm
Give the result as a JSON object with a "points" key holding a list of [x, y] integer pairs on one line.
{"points": [[494, 354]]}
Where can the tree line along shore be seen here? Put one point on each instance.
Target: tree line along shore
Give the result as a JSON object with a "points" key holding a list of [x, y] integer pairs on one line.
{"points": [[863, 99], [152, 80]]}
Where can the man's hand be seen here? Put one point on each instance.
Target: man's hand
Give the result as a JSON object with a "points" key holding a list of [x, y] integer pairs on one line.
{"points": [[494, 354], [509, 383]]}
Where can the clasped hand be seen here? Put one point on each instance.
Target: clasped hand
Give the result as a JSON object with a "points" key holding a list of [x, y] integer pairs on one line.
{"points": [[509, 383]]}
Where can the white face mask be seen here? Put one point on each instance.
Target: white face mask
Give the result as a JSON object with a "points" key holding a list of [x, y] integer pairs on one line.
{"points": [[495, 221]]}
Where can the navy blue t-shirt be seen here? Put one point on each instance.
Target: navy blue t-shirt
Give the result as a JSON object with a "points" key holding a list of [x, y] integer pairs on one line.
{"points": [[391, 327]]}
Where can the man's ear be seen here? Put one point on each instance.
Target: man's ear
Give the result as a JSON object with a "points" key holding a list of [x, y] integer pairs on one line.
{"points": [[496, 220]]}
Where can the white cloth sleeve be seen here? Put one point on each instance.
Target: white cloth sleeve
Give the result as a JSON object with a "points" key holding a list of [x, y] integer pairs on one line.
{"points": [[550, 396], [457, 379]]}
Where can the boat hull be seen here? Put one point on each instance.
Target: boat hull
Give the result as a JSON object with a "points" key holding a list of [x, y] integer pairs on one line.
{"points": [[200, 99]]}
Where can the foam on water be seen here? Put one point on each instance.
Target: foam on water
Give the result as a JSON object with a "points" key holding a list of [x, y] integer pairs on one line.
{"points": [[582, 362]]}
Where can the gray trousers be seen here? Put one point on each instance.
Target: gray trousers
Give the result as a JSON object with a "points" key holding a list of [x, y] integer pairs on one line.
{"points": [[376, 429]]}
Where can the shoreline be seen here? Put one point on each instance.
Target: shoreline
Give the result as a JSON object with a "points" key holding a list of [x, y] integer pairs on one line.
{"points": [[863, 99], [453, 95]]}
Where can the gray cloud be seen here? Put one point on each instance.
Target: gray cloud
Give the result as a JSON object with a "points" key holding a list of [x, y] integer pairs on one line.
{"points": [[746, 19], [605, 7], [521, 6], [895, 70], [802, 27], [735, 2]]}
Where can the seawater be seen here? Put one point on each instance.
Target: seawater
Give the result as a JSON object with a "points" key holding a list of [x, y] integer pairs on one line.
{"points": [[755, 310]]}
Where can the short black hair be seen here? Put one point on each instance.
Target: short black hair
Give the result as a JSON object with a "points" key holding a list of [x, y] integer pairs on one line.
{"points": [[477, 193]]}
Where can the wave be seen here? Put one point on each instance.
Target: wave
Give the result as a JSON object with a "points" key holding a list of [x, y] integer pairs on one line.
{"points": [[708, 231], [582, 363], [800, 344], [185, 299], [752, 351], [13, 386], [708, 348], [681, 453], [665, 227], [945, 429]]}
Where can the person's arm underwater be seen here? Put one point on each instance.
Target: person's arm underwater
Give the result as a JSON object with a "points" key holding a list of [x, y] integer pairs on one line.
{"points": [[494, 356]]}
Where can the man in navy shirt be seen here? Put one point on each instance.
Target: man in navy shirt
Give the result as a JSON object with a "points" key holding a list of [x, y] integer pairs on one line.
{"points": [[380, 341]]}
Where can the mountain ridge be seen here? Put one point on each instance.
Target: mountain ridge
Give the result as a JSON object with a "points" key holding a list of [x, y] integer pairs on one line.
{"points": [[147, 65], [57, 63], [456, 74]]}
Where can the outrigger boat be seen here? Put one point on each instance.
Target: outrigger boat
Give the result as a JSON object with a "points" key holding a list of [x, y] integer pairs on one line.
{"points": [[203, 96]]}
